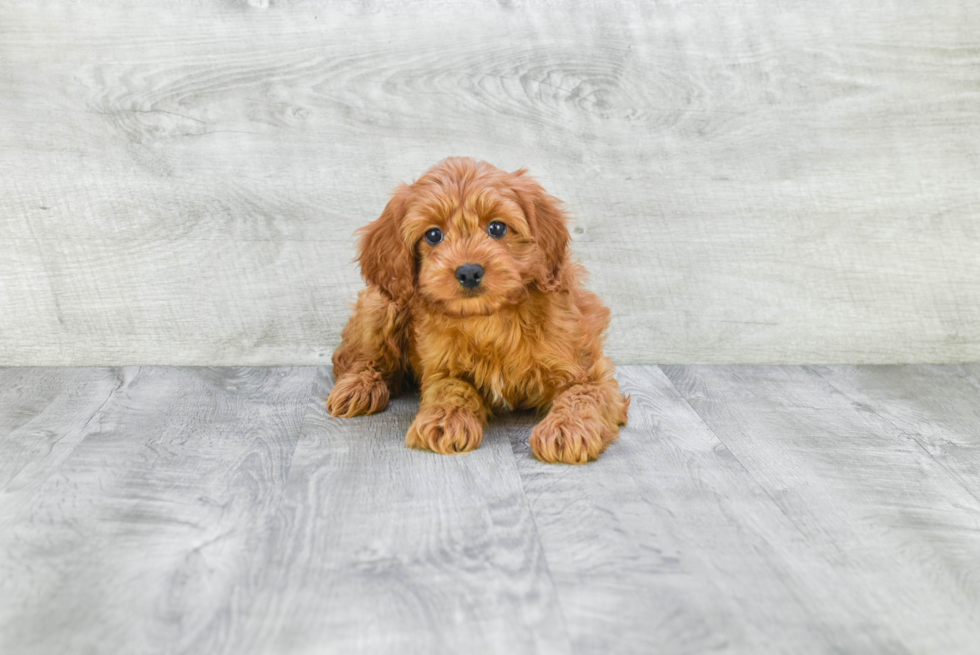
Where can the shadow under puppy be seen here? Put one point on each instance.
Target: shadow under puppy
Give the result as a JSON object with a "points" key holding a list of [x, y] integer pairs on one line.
{"points": [[471, 292]]}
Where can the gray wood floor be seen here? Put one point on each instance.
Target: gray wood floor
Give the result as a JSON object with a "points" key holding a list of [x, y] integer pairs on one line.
{"points": [[744, 510]]}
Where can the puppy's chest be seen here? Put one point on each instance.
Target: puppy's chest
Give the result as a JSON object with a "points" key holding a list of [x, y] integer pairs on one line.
{"points": [[502, 366]]}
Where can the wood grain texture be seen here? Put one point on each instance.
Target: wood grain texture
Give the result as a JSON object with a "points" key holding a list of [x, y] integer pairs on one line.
{"points": [[668, 545], [743, 510], [671, 544], [897, 532], [750, 182], [937, 406], [141, 540], [381, 549], [44, 414]]}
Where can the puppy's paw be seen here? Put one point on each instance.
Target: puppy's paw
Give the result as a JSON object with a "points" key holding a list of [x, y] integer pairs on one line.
{"points": [[356, 394], [444, 429], [567, 436]]}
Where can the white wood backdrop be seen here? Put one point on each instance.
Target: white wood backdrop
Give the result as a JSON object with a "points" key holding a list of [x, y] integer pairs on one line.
{"points": [[751, 181]]}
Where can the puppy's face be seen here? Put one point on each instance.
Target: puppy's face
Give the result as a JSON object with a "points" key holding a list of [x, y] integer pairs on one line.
{"points": [[468, 237], [475, 251]]}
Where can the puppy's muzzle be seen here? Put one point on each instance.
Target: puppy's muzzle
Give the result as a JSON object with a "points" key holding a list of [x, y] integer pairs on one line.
{"points": [[470, 275]]}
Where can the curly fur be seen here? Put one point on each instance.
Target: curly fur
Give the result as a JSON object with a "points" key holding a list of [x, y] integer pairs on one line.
{"points": [[530, 336]]}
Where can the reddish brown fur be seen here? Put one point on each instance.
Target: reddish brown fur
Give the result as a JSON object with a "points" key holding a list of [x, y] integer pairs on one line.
{"points": [[529, 336]]}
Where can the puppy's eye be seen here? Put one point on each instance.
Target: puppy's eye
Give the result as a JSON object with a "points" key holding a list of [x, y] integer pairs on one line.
{"points": [[497, 229], [433, 236]]}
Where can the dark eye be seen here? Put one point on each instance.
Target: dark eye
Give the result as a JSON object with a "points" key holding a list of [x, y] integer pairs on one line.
{"points": [[497, 230], [433, 236]]}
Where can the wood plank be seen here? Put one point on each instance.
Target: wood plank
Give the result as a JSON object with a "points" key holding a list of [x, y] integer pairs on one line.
{"points": [[898, 530], [749, 509], [142, 325], [749, 183], [140, 542], [43, 416], [668, 544], [381, 549], [937, 406]]}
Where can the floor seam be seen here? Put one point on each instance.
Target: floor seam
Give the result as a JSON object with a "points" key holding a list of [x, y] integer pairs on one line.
{"points": [[302, 424], [537, 537], [902, 431], [748, 472], [121, 384], [801, 601]]}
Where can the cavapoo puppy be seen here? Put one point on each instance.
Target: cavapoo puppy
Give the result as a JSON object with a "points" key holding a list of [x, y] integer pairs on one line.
{"points": [[472, 293]]}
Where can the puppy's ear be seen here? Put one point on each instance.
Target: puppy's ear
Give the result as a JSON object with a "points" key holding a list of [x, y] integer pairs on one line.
{"points": [[548, 223], [386, 260]]}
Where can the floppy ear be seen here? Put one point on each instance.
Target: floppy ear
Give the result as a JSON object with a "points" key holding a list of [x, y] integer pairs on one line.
{"points": [[386, 260], [547, 221]]}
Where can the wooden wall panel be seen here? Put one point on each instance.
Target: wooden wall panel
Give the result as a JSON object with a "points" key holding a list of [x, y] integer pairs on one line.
{"points": [[751, 182]]}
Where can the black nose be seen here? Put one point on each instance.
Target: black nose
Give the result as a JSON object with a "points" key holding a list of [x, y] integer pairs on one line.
{"points": [[470, 275]]}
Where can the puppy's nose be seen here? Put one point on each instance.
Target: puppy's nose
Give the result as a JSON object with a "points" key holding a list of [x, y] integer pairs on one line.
{"points": [[470, 275]]}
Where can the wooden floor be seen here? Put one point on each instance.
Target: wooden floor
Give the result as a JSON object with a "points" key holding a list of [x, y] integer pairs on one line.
{"points": [[745, 510]]}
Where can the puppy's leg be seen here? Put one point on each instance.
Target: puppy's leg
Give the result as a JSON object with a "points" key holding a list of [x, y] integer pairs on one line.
{"points": [[370, 362], [450, 419], [583, 420]]}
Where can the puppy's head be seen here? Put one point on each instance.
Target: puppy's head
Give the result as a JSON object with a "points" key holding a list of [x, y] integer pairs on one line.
{"points": [[468, 237]]}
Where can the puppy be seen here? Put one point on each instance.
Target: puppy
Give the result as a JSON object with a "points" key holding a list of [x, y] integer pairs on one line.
{"points": [[472, 294]]}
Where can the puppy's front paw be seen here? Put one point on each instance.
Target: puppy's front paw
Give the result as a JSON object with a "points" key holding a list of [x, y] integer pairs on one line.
{"points": [[446, 430], [356, 394], [567, 436]]}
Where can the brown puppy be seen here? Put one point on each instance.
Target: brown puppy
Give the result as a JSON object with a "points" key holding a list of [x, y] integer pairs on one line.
{"points": [[471, 291]]}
